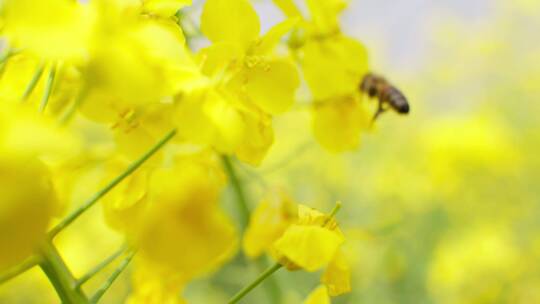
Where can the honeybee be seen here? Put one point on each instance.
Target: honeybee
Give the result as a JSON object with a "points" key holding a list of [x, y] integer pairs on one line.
{"points": [[387, 95]]}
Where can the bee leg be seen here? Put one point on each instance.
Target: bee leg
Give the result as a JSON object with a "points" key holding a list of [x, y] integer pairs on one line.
{"points": [[380, 110]]}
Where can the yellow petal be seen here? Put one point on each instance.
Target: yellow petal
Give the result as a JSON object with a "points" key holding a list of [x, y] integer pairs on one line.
{"points": [[267, 223], [141, 64], [25, 132], [288, 7], [236, 16], [184, 228], [137, 131], [318, 296], [325, 14], [54, 29], [165, 8], [126, 203], [190, 111], [258, 137], [217, 57], [153, 284], [134, 143], [27, 204], [337, 125], [337, 276], [271, 39], [334, 67], [310, 216], [228, 122], [310, 247], [272, 85], [191, 241], [101, 107]]}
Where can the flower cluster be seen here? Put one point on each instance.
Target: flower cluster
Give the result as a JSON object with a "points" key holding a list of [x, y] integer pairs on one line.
{"points": [[107, 83], [299, 237]]}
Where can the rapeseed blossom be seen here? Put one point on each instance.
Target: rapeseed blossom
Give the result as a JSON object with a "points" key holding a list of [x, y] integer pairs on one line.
{"points": [[36, 204], [333, 65], [28, 194], [246, 83], [183, 202], [306, 239], [52, 30]]}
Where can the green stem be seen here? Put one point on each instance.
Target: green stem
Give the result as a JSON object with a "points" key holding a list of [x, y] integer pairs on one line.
{"points": [[68, 114], [335, 210], [101, 291], [272, 289], [48, 89], [332, 213], [242, 293], [239, 191], [134, 166], [19, 269], [33, 82], [60, 277], [100, 266]]}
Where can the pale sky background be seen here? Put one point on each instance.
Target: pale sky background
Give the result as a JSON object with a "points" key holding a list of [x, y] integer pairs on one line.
{"points": [[398, 33]]}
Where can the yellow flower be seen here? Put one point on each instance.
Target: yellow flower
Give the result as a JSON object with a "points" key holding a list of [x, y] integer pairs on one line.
{"points": [[247, 83], [134, 63], [268, 222], [337, 124], [334, 66], [53, 29], [125, 205], [136, 68], [230, 108], [318, 296], [241, 22], [137, 130], [28, 200], [269, 83], [143, 64], [220, 120], [337, 275], [154, 285], [183, 227], [310, 241]]}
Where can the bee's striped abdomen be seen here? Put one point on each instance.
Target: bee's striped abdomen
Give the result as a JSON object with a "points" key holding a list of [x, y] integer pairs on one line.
{"points": [[396, 100]]}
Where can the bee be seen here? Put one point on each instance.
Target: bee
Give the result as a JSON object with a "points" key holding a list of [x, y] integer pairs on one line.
{"points": [[387, 95]]}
